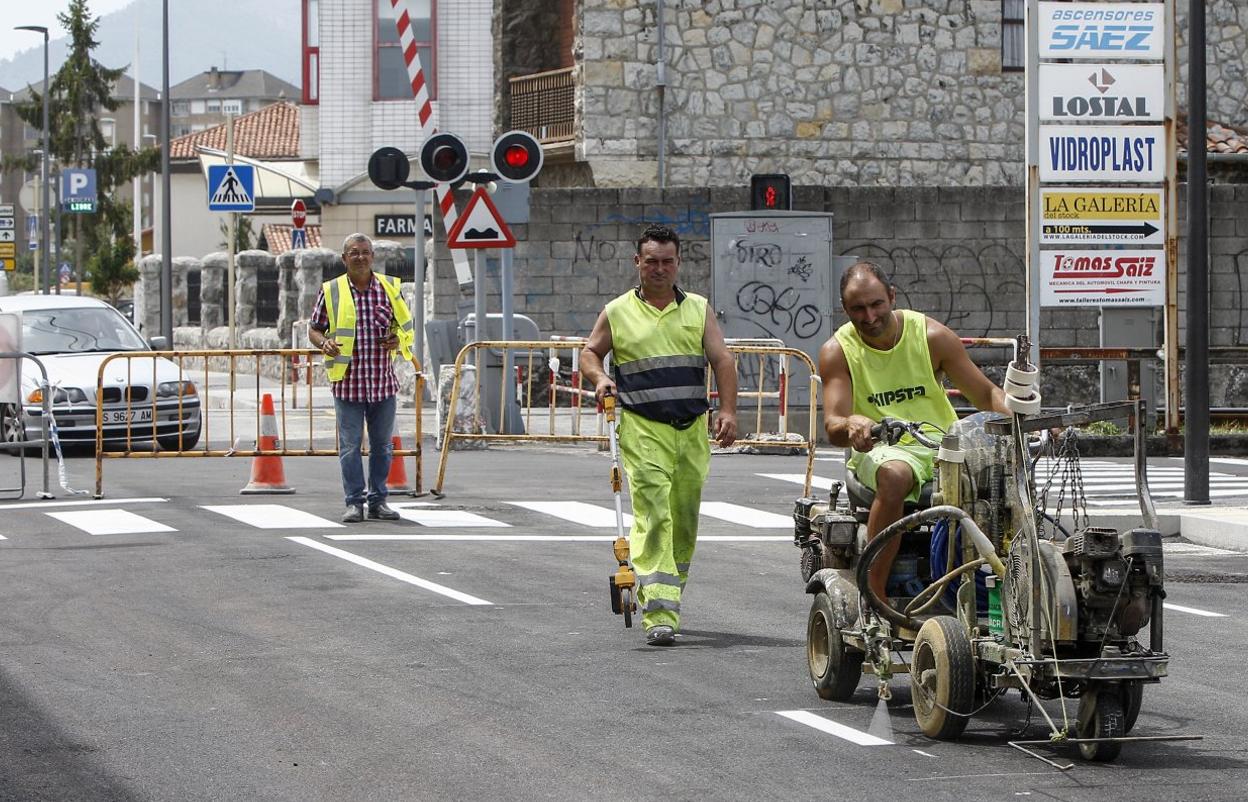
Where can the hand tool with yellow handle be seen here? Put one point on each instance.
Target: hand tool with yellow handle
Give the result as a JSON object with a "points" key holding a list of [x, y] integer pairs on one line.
{"points": [[623, 581]]}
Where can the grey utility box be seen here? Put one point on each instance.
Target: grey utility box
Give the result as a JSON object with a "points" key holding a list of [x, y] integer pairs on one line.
{"points": [[1130, 327], [773, 277]]}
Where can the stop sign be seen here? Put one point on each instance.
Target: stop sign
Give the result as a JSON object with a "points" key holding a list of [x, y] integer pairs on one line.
{"points": [[298, 213]]}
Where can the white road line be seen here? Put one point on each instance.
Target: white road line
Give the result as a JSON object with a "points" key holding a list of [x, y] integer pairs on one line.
{"points": [[272, 516], [924, 754], [832, 728], [555, 538], [1194, 549], [110, 522], [817, 482], [2, 537], [1229, 460], [393, 573], [1181, 609], [95, 502], [746, 516], [577, 512], [428, 517]]}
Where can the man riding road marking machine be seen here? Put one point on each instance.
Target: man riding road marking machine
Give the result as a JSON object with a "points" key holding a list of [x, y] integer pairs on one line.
{"points": [[992, 592]]}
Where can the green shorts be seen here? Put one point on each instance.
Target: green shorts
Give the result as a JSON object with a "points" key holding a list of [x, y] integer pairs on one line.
{"points": [[921, 459]]}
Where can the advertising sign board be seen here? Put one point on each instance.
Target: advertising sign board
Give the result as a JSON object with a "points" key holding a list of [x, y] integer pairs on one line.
{"points": [[1133, 153], [1105, 216], [1102, 92], [1100, 31], [1118, 277]]}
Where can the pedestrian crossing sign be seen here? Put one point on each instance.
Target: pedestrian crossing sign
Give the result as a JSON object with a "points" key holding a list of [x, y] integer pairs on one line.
{"points": [[231, 188]]}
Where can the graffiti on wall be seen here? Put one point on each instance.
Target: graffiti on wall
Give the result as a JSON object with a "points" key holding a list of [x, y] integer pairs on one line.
{"points": [[974, 291], [694, 223]]}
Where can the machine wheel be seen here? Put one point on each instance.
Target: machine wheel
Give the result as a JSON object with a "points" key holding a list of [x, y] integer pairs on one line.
{"points": [[1107, 721], [626, 606], [942, 676], [834, 668], [12, 428], [169, 442], [1132, 697]]}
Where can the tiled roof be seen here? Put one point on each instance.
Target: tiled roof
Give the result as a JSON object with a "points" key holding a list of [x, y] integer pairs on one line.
{"points": [[233, 84], [1219, 138], [123, 90], [277, 236], [268, 133]]}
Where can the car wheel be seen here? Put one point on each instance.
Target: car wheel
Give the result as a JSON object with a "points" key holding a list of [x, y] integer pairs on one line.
{"points": [[170, 442], [12, 428]]}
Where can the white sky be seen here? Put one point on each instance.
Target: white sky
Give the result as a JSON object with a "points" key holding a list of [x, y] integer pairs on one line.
{"points": [[41, 12]]}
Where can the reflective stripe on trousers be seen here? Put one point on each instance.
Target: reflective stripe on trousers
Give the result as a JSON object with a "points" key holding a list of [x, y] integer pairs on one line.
{"points": [[666, 469]]}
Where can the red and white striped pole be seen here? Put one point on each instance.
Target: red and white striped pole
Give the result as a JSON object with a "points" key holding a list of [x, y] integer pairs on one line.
{"points": [[420, 91]]}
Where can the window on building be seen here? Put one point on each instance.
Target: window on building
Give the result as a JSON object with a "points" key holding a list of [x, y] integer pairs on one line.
{"points": [[213, 106], [108, 130], [232, 106], [1013, 39], [390, 81], [179, 108], [197, 107], [311, 52]]}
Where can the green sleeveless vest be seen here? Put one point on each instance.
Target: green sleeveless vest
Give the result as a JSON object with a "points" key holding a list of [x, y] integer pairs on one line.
{"points": [[657, 359]]}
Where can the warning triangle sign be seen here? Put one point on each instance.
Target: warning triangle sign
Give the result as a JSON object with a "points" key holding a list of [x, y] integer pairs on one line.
{"points": [[480, 225]]}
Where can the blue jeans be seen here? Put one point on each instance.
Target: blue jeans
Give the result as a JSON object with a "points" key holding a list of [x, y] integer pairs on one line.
{"points": [[352, 416]]}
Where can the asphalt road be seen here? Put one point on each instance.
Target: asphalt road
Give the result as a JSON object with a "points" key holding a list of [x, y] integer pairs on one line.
{"points": [[215, 658]]}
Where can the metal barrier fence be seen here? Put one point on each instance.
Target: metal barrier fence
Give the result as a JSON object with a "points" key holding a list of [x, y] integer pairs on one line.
{"points": [[137, 409], [529, 369], [15, 427]]}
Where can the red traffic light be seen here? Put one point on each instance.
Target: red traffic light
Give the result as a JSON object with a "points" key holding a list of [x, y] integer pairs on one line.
{"points": [[444, 158], [770, 192], [516, 157]]}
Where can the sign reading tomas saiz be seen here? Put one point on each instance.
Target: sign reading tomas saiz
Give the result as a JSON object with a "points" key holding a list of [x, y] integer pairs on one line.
{"points": [[1102, 31], [1103, 278], [1113, 216]]}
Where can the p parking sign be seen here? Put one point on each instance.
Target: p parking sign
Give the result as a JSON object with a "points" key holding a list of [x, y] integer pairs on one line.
{"points": [[78, 191]]}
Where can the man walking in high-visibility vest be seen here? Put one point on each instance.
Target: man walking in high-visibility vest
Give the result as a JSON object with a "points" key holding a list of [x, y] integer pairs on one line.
{"points": [[360, 320], [661, 339]]}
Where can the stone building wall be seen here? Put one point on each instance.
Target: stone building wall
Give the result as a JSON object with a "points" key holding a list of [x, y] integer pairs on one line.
{"points": [[870, 93]]}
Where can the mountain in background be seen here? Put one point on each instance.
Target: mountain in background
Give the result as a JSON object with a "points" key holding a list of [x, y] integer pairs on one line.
{"points": [[229, 34]]}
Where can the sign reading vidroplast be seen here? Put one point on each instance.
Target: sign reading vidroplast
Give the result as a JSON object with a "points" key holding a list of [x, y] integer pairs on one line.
{"points": [[1096, 216], [1103, 278], [1102, 153], [1100, 31]]}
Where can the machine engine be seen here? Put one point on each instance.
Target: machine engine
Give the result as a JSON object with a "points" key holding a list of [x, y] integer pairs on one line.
{"points": [[1115, 579], [825, 535]]}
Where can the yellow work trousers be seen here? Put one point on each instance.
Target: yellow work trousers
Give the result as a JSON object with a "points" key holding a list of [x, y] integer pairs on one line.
{"points": [[666, 469]]}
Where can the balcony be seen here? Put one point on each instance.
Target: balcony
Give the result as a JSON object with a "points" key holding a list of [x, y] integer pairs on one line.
{"points": [[544, 104]]}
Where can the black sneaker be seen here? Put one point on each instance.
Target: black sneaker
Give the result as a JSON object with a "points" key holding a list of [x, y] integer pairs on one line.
{"points": [[380, 512], [354, 514], [661, 635]]}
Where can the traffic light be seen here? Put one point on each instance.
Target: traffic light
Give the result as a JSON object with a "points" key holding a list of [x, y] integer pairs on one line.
{"points": [[444, 158], [770, 192], [388, 168], [516, 157]]}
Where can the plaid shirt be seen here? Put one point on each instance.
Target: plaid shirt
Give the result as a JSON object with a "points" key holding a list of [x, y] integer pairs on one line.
{"points": [[370, 375]]}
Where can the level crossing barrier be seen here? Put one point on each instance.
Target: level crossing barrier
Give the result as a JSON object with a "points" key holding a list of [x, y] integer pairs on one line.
{"points": [[237, 372], [775, 363]]}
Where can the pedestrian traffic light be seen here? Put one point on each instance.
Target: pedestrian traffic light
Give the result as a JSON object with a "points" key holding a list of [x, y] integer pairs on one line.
{"points": [[388, 168], [516, 156], [770, 191], [444, 158]]}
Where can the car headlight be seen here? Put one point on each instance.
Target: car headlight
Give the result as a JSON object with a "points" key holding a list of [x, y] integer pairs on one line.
{"points": [[170, 389], [60, 395]]}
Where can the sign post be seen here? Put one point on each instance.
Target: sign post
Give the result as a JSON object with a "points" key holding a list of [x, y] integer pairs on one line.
{"points": [[298, 216]]}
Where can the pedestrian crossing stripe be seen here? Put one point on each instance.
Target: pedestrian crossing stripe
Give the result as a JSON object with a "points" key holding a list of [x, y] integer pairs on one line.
{"points": [[231, 188], [272, 516], [109, 522]]}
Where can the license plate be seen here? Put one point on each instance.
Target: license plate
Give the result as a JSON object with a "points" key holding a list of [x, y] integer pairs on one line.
{"points": [[134, 415]]}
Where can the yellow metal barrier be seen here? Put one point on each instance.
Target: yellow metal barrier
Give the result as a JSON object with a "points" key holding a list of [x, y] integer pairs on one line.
{"points": [[472, 353], [142, 400]]}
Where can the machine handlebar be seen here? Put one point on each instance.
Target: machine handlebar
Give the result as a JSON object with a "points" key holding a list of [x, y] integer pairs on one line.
{"points": [[890, 430]]}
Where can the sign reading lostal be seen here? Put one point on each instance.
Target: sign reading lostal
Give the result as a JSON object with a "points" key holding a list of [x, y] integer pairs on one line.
{"points": [[1102, 153], [1091, 216], [1102, 92], [1102, 31], [1103, 278]]}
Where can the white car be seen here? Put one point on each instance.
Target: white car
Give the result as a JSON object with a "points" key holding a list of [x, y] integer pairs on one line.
{"points": [[72, 335]]}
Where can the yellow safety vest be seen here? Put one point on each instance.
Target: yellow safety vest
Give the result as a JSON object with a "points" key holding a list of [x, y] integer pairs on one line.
{"points": [[340, 309], [657, 358]]}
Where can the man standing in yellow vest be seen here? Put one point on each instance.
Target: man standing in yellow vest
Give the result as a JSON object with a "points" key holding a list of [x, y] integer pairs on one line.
{"points": [[359, 322], [885, 362], [661, 339]]}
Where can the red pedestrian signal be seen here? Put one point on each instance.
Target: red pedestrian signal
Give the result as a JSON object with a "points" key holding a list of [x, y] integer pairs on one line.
{"points": [[770, 192], [516, 157], [444, 158]]}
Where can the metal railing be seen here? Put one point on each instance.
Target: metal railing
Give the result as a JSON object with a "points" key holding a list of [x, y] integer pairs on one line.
{"points": [[21, 445], [544, 104], [529, 370], [177, 409]]}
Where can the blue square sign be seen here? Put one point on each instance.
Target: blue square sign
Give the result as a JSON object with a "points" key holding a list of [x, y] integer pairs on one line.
{"points": [[78, 190], [231, 188]]}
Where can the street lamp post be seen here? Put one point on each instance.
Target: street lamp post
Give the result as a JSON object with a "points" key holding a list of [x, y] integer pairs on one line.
{"points": [[43, 223]]}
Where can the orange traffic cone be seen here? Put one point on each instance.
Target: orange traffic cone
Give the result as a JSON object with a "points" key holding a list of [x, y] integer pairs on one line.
{"points": [[396, 482], [267, 476]]}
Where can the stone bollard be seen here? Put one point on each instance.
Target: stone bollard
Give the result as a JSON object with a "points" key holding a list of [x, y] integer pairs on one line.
{"points": [[465, 407], [247, 266], [182, 265], [212, 297], [312, 267], [388, 257], [287, 297], [147, 296]]}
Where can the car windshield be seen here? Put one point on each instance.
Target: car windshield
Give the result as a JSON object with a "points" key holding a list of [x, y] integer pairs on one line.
{"points": [[56, 331]]}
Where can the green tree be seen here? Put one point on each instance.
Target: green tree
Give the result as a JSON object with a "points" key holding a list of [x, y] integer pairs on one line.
{"points": [[78, 90], [112, 261], [244, 234]]}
